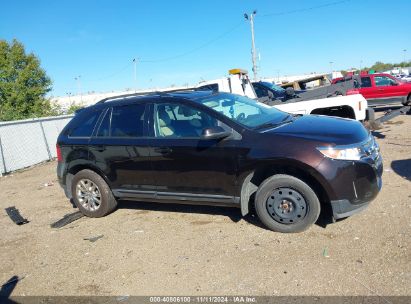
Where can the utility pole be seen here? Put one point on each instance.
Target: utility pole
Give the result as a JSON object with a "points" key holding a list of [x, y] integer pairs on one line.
{"points": [[405, 52], [135, 74], [331, 67], [253, 52], [79, 87], [69, 96]]}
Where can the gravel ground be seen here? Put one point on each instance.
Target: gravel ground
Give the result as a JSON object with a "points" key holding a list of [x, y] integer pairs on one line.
{"points": [[160, 249]]}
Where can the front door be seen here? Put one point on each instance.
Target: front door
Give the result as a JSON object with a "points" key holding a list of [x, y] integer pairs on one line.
{"points": [[388, 89], [187, 166]]}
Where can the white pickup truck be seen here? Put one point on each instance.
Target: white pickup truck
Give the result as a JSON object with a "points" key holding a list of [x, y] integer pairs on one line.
{"points": [[352, 106]]}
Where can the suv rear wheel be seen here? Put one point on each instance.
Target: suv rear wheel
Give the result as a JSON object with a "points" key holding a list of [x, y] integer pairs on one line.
{"points": [[285, 203], [91, 194]]}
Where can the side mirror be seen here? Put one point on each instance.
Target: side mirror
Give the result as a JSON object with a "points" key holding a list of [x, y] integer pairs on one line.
{"points": [[215, 133], [393, 83]]}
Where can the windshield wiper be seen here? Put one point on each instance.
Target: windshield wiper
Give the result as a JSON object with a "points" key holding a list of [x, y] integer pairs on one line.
{"points": [[289, 118]]}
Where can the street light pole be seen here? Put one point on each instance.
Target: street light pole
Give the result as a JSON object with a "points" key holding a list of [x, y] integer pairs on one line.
{"points": [[135, 74], [79, 87], [405, 52], [331, 66], [253, 52]]}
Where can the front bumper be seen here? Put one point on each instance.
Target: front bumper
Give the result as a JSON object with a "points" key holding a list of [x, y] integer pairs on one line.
{"points": [[352, 184], [344, 208]]}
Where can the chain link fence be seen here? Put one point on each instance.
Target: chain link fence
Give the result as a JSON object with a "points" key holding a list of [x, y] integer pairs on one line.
{"points": [[24, 143]]}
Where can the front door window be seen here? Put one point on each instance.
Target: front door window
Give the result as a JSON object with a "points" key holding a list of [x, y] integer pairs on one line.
{"points": [[384, 81], [181, 121]]}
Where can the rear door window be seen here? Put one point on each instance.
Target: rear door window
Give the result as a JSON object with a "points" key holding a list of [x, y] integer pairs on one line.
{"points": [[128, 121], [366, 82]]}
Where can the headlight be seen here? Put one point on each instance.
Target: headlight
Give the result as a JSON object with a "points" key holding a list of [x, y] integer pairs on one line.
{"points": [[352, 153]]}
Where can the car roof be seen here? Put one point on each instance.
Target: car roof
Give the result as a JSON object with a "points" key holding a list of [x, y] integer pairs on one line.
{"points": [[145, 97], [377, 74]]}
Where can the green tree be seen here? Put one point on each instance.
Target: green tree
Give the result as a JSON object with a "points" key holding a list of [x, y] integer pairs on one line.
{"points": [[23, 84], [73, 108], [381, 66]]}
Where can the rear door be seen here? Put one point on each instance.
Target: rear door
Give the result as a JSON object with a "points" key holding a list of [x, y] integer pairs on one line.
{"points": [[119, 149], [366, 88], [188, 167]]}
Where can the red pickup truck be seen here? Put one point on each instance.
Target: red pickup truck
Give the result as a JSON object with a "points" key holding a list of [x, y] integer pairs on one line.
{"points": [[383, 89]]}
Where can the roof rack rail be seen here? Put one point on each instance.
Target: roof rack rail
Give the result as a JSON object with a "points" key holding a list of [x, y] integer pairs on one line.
{"points": [[123, 96], [144, 93]]}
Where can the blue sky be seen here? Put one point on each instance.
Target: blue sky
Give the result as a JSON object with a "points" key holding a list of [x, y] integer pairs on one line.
{"points": [[179, 42]]}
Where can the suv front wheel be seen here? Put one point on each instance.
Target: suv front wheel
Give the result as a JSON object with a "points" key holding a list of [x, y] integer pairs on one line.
{"points": [[91, 194], [285, 203]]}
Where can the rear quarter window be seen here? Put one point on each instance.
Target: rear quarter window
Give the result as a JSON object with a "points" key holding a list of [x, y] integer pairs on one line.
{"points": [[83, 124]]}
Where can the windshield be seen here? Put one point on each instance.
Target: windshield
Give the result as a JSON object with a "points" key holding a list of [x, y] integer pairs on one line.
{"points": [[273, 86], [245, 111]]}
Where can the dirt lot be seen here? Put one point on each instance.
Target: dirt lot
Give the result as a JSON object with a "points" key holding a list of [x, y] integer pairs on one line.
{"points": [[159, 249]]}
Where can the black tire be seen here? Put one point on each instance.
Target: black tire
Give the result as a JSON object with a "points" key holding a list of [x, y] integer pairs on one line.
{"points": [[300, 201], [107, 201], [408, 101]]}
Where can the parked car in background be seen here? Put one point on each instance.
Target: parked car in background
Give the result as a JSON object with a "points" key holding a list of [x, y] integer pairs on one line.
{"points": [[262, 88], [203, 147], [327, 100], [383, 89], [321, 101], [337, 80], [267, 89], [404, 77]]}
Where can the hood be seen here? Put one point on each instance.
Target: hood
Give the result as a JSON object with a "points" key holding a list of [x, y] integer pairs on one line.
{"points": [[331, 130]]}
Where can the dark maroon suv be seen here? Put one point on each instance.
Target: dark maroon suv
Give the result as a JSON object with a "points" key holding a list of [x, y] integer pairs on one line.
{"points": [[218, 149]]}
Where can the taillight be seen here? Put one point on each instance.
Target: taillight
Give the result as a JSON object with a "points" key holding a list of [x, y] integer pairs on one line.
{"points": [[59, 156]]}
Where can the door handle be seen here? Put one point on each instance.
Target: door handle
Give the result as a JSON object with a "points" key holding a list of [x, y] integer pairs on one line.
{"points": [[163, 150]]}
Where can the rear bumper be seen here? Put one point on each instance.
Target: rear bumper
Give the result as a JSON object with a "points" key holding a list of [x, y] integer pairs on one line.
{"points": [[64, 179]]}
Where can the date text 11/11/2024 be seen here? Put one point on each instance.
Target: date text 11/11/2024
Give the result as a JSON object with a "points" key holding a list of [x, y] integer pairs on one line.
{"points": [[203, 299]]}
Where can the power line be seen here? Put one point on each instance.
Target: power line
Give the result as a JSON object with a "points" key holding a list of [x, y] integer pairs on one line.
{"points": [[195, 49], [305, 9], [113, 74], [235, 27], [217, 38]]}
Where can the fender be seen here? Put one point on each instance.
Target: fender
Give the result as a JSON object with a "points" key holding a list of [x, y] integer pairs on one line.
{"points": [[247, 190], [254, 179]]}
